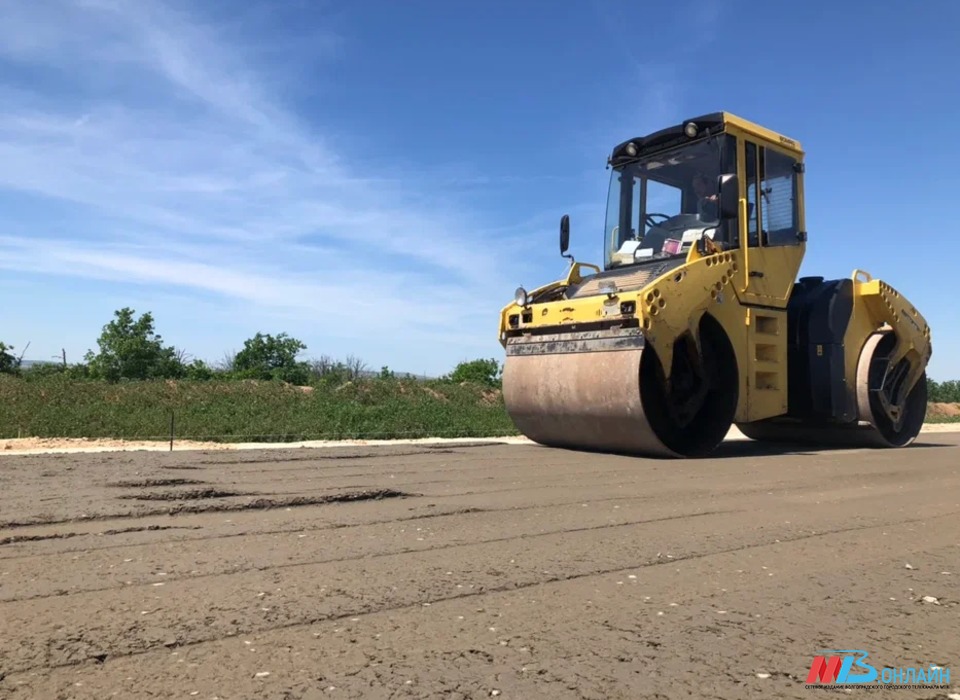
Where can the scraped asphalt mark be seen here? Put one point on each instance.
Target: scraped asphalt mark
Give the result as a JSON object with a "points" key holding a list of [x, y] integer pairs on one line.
{"points": [[147, 483], [273, 458], [187, 495], [193, 508], [14, 539], [248, 533]]}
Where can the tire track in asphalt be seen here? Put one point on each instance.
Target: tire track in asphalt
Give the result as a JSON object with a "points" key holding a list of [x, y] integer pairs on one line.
{"points": [[237, 570], [76, 649]]}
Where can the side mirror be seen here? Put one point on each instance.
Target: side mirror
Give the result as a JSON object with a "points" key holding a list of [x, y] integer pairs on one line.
{"points": [[564, 234], [729, 197]]}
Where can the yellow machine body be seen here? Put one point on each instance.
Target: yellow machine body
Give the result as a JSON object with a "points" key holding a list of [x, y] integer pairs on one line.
{"points": [[698, 322]]}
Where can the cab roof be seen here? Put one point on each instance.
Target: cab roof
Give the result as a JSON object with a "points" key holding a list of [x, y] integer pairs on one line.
{"points": [[761, 131], [712, 123]]}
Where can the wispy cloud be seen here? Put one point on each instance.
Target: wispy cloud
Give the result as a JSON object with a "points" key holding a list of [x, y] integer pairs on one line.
{"points": [[182, 170], [153, 146]]}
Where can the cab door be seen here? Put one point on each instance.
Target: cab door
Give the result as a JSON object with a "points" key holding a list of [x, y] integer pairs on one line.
{"points": [[773, 246], [775, 238]]}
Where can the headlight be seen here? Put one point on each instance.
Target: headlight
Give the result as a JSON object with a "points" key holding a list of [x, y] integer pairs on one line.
{"points": [[520, 296], [690, 129]]}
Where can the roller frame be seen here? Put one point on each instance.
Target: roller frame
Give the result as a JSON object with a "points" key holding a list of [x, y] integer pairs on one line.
{"points": [[882, 307], [576, 358]]}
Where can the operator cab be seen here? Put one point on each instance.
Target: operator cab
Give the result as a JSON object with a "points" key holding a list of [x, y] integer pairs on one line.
{"points": [[664, 193], [676, 188]]}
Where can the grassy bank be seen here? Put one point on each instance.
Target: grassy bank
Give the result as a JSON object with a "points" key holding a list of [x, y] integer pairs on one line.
{"points": [[249, 411], [262, 411]]}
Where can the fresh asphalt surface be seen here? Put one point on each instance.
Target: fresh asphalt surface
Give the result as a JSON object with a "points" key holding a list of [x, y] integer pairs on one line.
{"points": [[458, 571]]}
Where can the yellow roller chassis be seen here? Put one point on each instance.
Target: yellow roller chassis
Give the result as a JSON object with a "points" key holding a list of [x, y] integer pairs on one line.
{"points": [[690, 289], [696, 320], [577, 375]]}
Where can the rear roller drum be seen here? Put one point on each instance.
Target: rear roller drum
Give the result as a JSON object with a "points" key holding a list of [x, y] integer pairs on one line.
{"points": [[878, 428], [874, 390]]}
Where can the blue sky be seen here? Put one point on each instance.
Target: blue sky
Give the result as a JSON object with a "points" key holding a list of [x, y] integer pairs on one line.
{"points": [[376, 178]]}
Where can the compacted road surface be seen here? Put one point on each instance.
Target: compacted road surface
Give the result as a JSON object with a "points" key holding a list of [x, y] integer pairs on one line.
{"points": [[509, 571]]}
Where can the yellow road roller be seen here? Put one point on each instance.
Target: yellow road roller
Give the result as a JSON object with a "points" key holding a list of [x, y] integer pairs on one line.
{"points": [[697, 321]]}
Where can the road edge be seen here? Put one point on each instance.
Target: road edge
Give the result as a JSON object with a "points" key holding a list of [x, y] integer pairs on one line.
{"points": [[83, 445]]}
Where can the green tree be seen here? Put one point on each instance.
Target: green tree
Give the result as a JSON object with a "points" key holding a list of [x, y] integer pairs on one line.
{"points": [[486, 372], [130, 349], [9, 363], [946, 392], [265, 356], [198, 370]]}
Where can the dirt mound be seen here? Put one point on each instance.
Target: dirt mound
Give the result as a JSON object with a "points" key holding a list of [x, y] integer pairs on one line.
{"points": [[433, 393], [490, 397], [946, 410]]}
